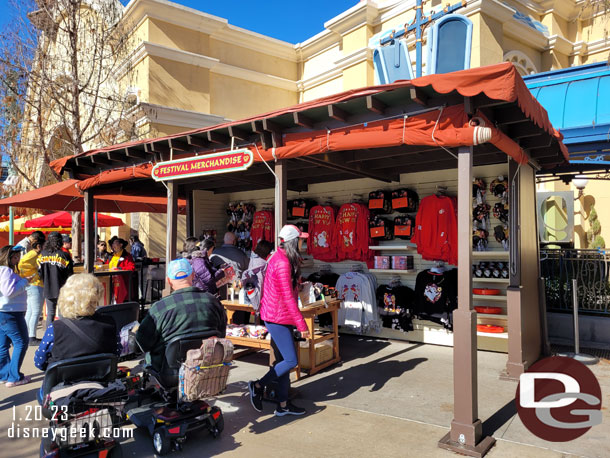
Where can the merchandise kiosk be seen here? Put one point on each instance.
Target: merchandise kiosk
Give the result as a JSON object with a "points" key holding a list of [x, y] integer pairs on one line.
{"points": [[425, 134]]}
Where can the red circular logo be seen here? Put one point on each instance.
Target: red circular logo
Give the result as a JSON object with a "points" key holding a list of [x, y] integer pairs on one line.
{"points": [[559, 399]]}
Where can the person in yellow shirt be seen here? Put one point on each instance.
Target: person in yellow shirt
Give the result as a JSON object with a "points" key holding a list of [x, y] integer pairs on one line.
{"points": [[28, 268]]}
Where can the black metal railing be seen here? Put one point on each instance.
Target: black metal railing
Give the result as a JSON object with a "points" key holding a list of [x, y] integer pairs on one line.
{"points": [[591, 269]]}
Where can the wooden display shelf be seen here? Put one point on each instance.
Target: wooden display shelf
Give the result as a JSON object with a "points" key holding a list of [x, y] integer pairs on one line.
{"points": [[490, 280], [405, 247], [490, 255], [393, 271], [488, 297], [309, 313]]}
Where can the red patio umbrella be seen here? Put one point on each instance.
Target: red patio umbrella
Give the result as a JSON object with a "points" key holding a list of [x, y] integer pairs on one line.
{"points": [[64, 196], [64, 219]]}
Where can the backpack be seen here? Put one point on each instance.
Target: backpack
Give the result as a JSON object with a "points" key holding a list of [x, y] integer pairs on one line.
{"points": [[252, 287], [205, 371]]}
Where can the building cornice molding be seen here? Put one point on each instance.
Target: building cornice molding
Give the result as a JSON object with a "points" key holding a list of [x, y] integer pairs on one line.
{"points": [[498, 11], [173, 13], [561, 45], [160, 114], [148, 49], [356, 57], [256, 42], [358, 15], [217, 27], [254, 76], [594, 47]]}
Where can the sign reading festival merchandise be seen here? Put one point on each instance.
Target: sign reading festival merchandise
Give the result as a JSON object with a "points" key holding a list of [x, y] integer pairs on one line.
{"points": [[210, 164]]}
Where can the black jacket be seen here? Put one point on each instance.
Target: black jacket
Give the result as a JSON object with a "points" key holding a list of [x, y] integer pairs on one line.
{"points": [[68, 344], [54, 269]]}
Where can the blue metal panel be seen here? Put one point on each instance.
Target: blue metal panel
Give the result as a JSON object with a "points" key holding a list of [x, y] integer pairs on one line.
{"points": [[392, 62], [603, 99], [552, 98], [580, 103], [451, 44]]}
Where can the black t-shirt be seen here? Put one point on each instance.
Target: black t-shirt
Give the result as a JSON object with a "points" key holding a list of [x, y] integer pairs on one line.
{"points": [[395, 305], [435, 293]]}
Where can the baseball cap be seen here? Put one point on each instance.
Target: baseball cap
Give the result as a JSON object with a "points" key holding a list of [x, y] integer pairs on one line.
{"points": [[179, 269], [290, 232], [18, 248], [65, 238]]}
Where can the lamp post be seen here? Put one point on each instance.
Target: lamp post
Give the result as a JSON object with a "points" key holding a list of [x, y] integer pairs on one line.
{"points": [[580, 182]]}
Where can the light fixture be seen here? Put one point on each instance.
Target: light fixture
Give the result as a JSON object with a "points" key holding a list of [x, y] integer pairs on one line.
{"points": [[580, 182]]}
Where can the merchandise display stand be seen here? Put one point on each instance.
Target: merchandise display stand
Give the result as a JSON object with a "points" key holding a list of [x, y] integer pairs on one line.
{"points": [[317, 336]]}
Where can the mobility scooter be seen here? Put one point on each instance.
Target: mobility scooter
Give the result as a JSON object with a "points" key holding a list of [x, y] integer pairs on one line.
{"points": [[161, 408]]}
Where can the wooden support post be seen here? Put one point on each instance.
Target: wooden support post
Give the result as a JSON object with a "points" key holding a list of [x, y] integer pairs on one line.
{"points": [[190, 220], [281, 195], [466, 428], [89, 254], [172, 228], [526, 333]]}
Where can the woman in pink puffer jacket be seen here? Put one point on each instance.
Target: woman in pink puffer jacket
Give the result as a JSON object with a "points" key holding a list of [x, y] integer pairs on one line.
{"points": [[281, 314]]}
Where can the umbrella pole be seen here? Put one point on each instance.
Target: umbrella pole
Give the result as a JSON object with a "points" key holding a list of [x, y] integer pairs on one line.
{"points": [[95, 220], [11, 228]]}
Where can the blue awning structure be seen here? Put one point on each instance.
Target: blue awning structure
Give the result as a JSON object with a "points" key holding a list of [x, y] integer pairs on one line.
{"points": [[577, 100]]}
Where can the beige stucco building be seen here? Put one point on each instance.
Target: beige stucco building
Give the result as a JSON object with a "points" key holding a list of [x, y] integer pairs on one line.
{"points": [[189, 69]]}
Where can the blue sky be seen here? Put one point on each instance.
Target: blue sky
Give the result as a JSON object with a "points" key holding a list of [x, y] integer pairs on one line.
{"points": [[286, 20]]}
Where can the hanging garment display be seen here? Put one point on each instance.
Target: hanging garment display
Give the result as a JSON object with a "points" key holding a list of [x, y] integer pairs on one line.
{"points": [[501, 235], [436, 229], [381, 228], [352, 233], [395, 303], [263, 227], [479, 188], [320, 243], [358, 307], [436, 296], [405, 200], [480, 215], [379, 202], [499, 188]]}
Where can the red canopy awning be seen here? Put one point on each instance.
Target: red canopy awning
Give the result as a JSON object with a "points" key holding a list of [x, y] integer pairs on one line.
{"points": [[446, 127], [65, 196], [64, 219]]}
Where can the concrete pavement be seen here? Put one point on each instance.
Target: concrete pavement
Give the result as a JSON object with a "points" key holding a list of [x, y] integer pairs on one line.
{"points": [[390, 399]]}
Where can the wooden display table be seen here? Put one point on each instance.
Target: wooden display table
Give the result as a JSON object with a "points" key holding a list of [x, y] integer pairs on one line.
{"points": [[309, 313]]}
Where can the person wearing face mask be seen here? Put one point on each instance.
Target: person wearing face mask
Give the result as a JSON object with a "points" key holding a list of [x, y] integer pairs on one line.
{"points": [[120, 260]]}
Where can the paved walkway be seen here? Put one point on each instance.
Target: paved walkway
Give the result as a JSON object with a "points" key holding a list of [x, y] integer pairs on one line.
{"points": [[386, 399]]}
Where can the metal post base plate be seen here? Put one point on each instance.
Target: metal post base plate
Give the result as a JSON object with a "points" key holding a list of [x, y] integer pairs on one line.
{"points": [[584, 358], [477, 451]]}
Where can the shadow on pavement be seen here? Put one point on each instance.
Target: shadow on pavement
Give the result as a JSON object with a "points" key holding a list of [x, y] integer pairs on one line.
{"points": [[500, 418]]}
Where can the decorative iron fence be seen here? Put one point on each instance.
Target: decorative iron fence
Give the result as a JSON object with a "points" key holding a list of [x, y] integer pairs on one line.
{"points": [[591, 269]]}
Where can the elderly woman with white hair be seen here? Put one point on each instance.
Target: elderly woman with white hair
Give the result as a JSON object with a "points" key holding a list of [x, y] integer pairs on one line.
{"points": [[80, 331]]}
